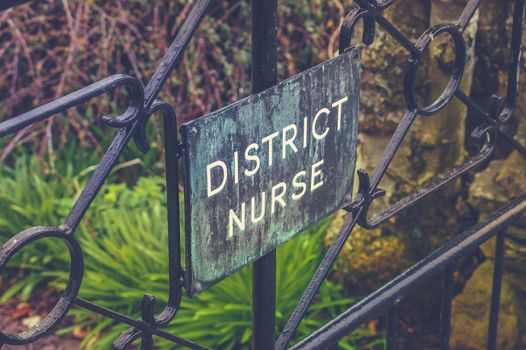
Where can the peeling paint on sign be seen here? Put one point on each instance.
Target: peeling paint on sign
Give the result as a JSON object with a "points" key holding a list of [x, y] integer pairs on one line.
{"points": [[264, 169]]}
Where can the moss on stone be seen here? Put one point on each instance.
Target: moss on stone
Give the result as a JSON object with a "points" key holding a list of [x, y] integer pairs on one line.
{"points": [[369, 258], [471, 314]]}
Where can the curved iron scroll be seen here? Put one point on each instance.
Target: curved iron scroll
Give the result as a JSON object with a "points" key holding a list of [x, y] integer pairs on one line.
{"points": [[490, 127], [132, 124]]}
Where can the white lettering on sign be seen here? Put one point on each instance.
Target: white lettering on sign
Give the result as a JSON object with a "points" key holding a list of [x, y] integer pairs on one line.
{"points": [[289, 141], [300, 185], [315, 133], [253, 158], [277, 146], [339, 105], [221, 165], [315, 174]]}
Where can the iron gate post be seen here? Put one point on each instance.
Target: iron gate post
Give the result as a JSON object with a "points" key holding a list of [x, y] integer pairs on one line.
{"points": [[264, 76]]}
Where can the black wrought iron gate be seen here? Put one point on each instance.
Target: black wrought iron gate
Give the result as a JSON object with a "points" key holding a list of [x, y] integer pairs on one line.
{"points": [[143, 103]]}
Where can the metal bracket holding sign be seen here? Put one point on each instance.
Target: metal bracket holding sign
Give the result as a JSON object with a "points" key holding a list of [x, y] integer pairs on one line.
{"points": [[265, 168]]}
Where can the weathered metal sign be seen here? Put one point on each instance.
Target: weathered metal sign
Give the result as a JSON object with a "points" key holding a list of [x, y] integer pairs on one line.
{"points": [[262, 170]]}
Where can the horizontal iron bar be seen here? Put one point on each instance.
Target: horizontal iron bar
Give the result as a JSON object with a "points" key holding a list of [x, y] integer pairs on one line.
{"points": [[335, 330], [68, 101], [431, 187], [85, 304]]}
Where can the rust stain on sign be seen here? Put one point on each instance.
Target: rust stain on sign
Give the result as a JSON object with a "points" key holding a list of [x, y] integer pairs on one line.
{"points": [[262, 170]]}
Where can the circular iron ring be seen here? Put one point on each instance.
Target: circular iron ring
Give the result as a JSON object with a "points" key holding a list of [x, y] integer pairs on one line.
{"points": [[454, 80], [14, 245]]}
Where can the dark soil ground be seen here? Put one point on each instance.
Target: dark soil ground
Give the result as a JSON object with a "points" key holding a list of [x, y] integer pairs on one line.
{"points": [[418, 327], [17, 316]]}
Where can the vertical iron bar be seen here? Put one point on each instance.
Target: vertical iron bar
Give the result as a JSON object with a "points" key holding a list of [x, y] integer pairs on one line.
{"points": [[515, 55], [495, 296], [264, 76], [392, 323], [445, 325]]}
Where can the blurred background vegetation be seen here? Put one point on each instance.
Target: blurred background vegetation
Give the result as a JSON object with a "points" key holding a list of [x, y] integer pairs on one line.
{"points": [[50, 48]]}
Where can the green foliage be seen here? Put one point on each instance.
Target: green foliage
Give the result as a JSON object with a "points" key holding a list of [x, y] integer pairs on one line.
{"points": [[123, 235], [124, 242], [28, 198]]}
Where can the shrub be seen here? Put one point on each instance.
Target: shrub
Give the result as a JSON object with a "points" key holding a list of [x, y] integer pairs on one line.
{"points": [[123, 238]]}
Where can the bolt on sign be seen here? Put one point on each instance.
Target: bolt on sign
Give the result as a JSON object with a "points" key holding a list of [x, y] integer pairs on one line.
{"points": [[263, 169]]}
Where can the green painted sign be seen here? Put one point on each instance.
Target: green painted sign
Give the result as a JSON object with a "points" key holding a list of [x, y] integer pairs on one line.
{"points": [[263, 169]]}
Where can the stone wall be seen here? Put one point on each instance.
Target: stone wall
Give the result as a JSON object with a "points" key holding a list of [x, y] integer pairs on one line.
{"points": [[434, 145]]}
